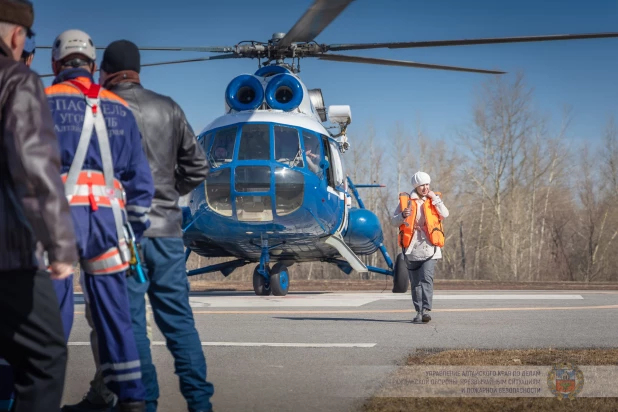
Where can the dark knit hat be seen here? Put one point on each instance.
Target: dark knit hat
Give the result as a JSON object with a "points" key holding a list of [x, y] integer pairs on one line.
{"points": [[121, 55], [18, 12]]}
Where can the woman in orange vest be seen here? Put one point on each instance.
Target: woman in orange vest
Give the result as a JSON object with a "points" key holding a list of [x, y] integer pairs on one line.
{"points": [[419, 217]]}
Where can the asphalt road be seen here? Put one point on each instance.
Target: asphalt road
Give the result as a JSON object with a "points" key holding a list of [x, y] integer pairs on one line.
{"points": [[330, 351]]}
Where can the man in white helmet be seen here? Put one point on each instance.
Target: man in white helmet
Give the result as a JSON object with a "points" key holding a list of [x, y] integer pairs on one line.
{"points": [[109, 187], [419, 217]]}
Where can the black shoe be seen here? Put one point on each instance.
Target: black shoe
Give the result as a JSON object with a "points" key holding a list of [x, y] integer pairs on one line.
{"points": [[418, 318], [88, 406], [132, 406], [426, 318]]}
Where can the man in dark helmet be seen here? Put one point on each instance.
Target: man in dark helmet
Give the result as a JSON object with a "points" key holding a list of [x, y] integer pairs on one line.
{"points": [[178, 165]]}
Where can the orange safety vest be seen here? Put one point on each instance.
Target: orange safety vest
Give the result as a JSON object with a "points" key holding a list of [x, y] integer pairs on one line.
{"points": [[433, 222]]}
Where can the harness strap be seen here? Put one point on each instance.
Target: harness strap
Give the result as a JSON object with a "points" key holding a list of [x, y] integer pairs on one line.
{"points": [[108, 262], [94, 120], [84, 138]]}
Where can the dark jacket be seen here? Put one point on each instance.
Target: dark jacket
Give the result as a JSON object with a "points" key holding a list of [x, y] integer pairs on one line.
{"points": [[33, 206], [177, 161]]}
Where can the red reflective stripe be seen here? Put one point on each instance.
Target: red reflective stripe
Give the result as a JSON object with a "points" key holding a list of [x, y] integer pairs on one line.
{"points": [[114, 269], [111, 253], [96, 178], [102, 201]]}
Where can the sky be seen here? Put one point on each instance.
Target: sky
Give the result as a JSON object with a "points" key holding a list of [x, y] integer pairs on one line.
{"points": [[581, 74]]}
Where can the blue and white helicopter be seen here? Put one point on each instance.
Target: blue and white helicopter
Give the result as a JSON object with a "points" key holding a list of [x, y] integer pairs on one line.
{"points": [[277, 193]]}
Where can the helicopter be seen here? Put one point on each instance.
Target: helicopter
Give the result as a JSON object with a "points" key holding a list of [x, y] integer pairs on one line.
{"points": [[277, 193]]}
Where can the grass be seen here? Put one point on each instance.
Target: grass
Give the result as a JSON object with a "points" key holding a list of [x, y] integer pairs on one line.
{"points": [[474, 357]]}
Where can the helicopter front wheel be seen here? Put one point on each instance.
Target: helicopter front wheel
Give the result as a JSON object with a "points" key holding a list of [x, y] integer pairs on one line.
{"points": [[279, 279], [260, 286]]}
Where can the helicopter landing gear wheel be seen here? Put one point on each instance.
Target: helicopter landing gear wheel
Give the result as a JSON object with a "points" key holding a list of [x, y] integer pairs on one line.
{"points": [[260, 286], [279, 279]]}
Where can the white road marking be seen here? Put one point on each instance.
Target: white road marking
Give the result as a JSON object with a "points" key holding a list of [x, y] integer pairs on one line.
{"points": [[508, 297], [271, 344], [350, 299], [347, 299]]}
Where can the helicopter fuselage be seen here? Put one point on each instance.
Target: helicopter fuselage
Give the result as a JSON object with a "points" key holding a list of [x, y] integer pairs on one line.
{"points": [[275, 177]]}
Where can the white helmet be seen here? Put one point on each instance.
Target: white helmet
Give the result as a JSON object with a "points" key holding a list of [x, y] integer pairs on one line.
{"points": [[420, 178], [73, 42]]}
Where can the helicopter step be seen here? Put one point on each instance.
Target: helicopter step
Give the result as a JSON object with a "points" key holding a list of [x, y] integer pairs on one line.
{"points": [[344, 250]]}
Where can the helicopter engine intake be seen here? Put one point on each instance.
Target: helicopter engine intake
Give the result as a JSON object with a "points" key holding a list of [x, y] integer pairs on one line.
{"points": [[284, 92], [244, 92]]}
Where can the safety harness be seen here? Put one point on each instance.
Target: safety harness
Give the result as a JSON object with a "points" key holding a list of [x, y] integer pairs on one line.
{"points": [[95, 188]]}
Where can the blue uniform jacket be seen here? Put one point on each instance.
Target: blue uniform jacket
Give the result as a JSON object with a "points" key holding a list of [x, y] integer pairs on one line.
{"points": [[95, 230]]}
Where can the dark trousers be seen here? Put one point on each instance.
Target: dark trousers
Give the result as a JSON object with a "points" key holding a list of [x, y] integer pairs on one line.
{"points": [[64, 294], [168, 290], [421, 279], [32, 339]]}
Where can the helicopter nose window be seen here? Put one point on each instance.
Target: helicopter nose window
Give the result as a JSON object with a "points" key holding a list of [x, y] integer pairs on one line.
{"points": [[289, 189], [254, 142], [222, 148], [313, 153], [254, 208], [218, 194], [252, 179], [287, 146]]}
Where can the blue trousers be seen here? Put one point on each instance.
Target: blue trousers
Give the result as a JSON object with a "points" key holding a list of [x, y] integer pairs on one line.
{"points": [[108, 302], [168, 290], [64, 293]]}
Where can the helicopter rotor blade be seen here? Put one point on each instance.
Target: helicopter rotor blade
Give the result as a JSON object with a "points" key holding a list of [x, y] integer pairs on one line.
{"points": [[468, 42], [403, 63], [316, 18], [214, 49], [199, 59]]}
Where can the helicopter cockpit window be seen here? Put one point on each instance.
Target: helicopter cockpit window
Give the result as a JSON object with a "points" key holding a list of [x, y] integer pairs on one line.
{"points": [[254, 208], [222, 149], [252, 179], [254, 142], [205, 141], [313, 153], [218, 193], [287, 146], [337, 165], [330, 175], [289, 189]]}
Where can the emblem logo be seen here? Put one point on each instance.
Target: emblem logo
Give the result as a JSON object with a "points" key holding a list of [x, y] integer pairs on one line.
{"points": [[565, 380]]}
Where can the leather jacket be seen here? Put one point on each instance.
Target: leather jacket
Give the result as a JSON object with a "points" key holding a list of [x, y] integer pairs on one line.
{"points": [[177, 161], [34, 212]]}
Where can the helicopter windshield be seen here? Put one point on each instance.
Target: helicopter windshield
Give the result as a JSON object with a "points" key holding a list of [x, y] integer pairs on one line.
{"points": [[249, 190], [287, 146], [255, 142], [222, 148]]}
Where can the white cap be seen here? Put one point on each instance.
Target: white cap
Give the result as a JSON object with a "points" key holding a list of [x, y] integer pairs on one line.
{"points": [[420, 178], [73, 42]]}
